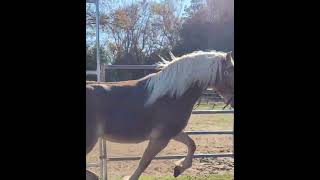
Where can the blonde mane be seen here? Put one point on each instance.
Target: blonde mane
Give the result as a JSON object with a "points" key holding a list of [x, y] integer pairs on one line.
{"points": [[177, 76]]}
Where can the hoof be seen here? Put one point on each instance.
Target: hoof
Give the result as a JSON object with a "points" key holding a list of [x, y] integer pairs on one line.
{"points": [[176, 171]]}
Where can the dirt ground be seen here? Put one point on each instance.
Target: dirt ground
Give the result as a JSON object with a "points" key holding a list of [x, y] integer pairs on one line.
{"points": [[201, 167]]}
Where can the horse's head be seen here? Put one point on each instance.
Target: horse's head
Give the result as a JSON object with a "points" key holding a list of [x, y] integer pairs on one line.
{"points": [[225, 84]]}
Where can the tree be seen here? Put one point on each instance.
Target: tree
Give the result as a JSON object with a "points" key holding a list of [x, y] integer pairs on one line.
{"points": [[137, 30], [208, 25]]}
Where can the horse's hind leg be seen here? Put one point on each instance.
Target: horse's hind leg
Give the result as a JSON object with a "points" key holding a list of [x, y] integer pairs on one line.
{"points": [[186, 162], [153, 148]]}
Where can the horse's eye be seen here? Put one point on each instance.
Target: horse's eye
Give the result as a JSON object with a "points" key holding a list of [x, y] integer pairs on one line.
{"points": [[226, 73]]}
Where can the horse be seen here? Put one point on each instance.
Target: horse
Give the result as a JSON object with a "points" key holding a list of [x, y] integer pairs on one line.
{"points": [[158, 106]]}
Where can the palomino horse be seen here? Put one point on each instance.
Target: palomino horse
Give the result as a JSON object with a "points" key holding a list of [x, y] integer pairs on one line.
{"points": [[158, 106]]}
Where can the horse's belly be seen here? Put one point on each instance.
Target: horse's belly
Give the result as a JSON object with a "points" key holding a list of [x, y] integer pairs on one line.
{"points": [[127, 128], [124, 136]]}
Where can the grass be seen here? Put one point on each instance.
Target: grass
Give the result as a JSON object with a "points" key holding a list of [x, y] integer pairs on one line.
{"points": [[209, 121]]}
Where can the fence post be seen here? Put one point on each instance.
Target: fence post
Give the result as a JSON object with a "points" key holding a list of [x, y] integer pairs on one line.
{"points": [[233, 138], [103, 159], [103, 72], [104, 148]]}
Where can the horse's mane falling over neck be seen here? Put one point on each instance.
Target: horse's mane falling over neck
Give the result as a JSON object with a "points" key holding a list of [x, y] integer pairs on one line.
{"points": [[177, 76]]}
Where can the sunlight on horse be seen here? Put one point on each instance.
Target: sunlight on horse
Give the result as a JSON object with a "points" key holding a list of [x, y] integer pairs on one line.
{"points": [[157, 107]]}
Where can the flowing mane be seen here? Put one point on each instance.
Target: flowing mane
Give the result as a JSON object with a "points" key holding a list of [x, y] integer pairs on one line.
{"points": [[182, 72]]}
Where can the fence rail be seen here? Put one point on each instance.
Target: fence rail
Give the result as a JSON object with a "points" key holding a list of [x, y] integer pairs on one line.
{"points": [[91, 72], [208, 132], [212, 112], [134, 158]]}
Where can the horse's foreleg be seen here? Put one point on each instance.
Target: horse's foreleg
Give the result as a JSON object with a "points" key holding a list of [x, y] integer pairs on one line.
{"points": [[153, 148], [186, 162]]}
